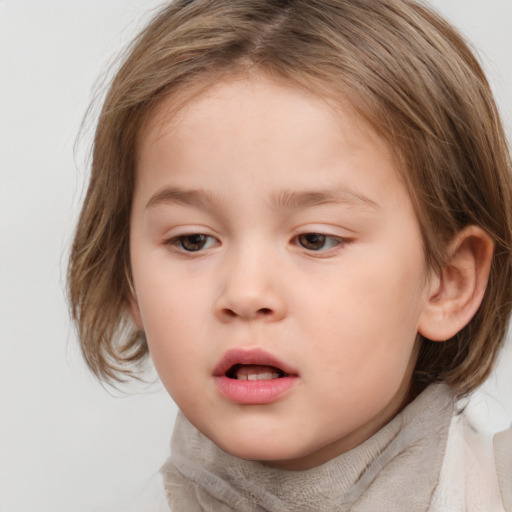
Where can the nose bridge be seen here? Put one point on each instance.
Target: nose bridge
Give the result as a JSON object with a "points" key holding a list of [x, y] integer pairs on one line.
{"points": [[249, 286]]}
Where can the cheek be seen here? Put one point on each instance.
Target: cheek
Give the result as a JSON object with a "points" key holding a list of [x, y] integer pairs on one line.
{"points": [[170, 323], [368, 320]]}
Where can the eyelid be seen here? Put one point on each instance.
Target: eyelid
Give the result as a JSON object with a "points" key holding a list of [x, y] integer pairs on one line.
{"points": [[173, 240], [338, 239], [326, 231]]}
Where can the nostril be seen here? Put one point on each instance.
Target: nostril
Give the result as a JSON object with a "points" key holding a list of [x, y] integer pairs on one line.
{"points": [[228, 312]]}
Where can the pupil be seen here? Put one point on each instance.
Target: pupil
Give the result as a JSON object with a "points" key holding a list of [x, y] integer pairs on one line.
{"points": [[312, 241], [193, 242]]}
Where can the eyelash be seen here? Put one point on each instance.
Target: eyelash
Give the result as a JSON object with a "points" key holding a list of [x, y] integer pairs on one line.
{"points": [[201, 240], [334, 241], [178, 241]]}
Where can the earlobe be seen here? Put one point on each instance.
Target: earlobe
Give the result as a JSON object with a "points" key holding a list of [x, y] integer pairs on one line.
{"points": [[457, 292]]}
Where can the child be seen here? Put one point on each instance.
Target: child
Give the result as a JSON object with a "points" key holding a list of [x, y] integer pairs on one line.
{"points": [[302, 210]]}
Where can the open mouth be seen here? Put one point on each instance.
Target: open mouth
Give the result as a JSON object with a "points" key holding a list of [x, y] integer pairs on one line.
{"points": [[254, 372], [253, 377]]}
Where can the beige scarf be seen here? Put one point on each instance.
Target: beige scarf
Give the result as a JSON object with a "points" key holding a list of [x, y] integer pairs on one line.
{"points": [[396, 470]]}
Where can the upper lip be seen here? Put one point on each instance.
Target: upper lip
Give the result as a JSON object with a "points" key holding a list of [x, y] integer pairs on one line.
{"points": [[256, 356]]}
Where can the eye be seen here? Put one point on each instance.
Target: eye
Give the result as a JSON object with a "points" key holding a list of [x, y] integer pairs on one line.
{"points": [[319, 241], [192, 243]]}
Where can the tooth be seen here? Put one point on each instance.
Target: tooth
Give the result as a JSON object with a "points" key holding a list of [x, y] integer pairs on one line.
{"points": [[262, 376], [256, 372]]}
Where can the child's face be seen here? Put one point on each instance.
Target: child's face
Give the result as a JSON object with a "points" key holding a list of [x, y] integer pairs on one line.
{"points": [[271, 230]]}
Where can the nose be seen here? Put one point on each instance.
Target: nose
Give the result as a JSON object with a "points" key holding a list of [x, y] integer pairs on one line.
{"points": [[250, 290]]}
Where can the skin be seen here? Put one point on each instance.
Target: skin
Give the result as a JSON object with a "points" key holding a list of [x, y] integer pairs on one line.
{"points": [[344, 314]]}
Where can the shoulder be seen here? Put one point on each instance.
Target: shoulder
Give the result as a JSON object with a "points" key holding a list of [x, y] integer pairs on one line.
{"points": [[471, 479]]}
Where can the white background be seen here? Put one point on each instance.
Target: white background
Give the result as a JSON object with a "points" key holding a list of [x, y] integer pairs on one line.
{"points": [[66, 444]]}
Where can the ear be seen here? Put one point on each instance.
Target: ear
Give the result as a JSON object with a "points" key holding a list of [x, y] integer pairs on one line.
{"points": [[457, 292]]}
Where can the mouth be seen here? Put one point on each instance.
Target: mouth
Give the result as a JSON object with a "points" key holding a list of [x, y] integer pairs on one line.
{"points": [[254, 372], [254, 364], [253, 377]]}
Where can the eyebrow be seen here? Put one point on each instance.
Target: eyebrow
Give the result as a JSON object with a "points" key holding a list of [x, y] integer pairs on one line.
{"points": [[174, 195], [341, 195], [284, 200]]}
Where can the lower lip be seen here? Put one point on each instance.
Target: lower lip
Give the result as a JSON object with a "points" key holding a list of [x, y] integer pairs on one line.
{"points": [[254, 392]]}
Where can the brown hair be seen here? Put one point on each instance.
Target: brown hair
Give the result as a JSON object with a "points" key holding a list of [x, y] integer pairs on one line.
{"points": [[399, 64]]}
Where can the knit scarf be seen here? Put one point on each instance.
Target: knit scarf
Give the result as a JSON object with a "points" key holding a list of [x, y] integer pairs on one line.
{"points": [[395, 470]]}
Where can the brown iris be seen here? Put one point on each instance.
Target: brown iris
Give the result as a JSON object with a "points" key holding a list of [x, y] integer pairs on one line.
{"points": [[193, 242], [312, 241]]}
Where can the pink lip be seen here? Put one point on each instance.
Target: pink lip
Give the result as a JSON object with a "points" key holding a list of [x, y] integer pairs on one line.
{"points": [[253, 392], [251, 356]]}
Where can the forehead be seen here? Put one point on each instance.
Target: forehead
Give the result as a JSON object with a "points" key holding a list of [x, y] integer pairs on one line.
{"points": [[276, 121]]}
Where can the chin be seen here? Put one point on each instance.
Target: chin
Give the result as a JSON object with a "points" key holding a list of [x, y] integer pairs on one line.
{"points": [[257, 450], [272, 451], [247, 441], [259, 435]]}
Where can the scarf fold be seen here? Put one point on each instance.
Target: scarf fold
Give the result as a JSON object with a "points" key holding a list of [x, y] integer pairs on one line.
{"points": [[395, 470]]}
